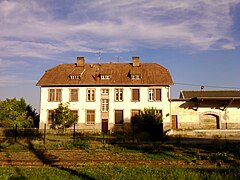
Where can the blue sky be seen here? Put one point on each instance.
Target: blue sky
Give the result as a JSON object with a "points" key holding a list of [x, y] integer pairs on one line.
{"points": [[198, 41]]}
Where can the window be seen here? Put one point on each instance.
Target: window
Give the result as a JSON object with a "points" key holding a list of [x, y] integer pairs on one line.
{"points": [[158, 112], [118, 94], [135, 115], [73, 95], [75, 76], [158, 94], [135, 94], [105, 91], [151, 94], [136, 77], [90, 117], [51, 116], [118, 116], [55, 95], [75, 113], [104, 76], [154, 94], [105, 105], [90, 94]]}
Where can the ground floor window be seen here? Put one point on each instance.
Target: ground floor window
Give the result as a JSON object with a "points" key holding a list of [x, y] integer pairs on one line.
{"points": [[90, 117], [135, 114], [118, 116], [51, 116]]}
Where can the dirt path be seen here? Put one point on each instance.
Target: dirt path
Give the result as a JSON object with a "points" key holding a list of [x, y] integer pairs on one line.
{"points": [[80, 157]]}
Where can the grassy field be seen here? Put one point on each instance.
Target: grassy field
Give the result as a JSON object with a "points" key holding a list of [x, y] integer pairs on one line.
{"points": [[208, 159], [118, 172]]}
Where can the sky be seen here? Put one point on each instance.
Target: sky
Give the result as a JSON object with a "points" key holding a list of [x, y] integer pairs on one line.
{"points": [[197, 41]]}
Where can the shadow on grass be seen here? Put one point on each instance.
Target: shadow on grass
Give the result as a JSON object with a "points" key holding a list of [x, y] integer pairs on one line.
{"points": [[49, 160], [208, 147]]}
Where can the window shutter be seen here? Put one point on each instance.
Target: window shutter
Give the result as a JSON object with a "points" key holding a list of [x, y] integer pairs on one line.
{"points": [[135, 94], [158, 94]]}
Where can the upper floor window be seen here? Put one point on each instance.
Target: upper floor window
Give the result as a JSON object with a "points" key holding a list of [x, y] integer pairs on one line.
{"points": [[55, 95], [73, 95], [90, 117], [105, 91], [135, 76], [135, 94], [105, 76], [90, 94], [105, 105], [75, 76], [118, 94], [154, 94]]}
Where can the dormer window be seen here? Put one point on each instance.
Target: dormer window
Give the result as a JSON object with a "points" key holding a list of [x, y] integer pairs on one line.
{"points": [[75, 76], [135, 76], [105, 76]]}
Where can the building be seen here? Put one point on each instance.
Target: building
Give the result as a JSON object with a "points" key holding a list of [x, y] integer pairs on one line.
{"points": [[206, 110], [105, 95]]}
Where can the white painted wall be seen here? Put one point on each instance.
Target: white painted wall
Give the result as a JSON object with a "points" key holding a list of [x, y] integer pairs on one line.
{"points": [[127, 105], [190, 119]]}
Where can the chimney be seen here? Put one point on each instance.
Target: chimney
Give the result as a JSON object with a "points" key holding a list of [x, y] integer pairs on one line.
{"points": [[136, 61], [80, 61]]}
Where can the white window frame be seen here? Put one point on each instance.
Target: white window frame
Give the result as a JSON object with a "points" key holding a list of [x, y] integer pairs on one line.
{"points": [[76, 93], [118, 94], [55, 95], [105, 105], [91, 95], [152, 94], [105, 76], [135, 76], [93, 113], [105, 91]]}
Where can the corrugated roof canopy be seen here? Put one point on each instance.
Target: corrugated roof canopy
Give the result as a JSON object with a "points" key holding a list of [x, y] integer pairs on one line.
{"points": [[210, 94]]}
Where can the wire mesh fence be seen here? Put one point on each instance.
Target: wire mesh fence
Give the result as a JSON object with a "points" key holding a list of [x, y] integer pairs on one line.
{"points": [[132, 135]]}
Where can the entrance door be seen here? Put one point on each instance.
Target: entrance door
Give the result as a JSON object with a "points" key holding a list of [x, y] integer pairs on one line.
{"points": [[105, 126], [174, 122]]}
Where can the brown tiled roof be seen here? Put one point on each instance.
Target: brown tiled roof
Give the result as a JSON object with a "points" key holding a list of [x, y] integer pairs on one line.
{"points": [[151, 74], [210, 94]]}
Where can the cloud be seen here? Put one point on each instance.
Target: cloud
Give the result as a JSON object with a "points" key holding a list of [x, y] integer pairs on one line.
{"points": [[13, 80], [44, 29], [5, 64]]}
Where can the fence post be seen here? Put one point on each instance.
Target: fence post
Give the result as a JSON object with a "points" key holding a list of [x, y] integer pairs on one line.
{"points": [[103, 138], [133, 131], [15, 133], [74, 132], [44, 136], [161, 132]]}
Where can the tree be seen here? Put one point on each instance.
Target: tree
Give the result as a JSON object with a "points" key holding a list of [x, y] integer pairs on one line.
{"points": [[64, 117], [31, 112], [151, 122], [14, 112]]}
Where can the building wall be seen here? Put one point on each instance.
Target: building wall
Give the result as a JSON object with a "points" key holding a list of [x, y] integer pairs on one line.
{"points": [[126, 105], [203, 118]]}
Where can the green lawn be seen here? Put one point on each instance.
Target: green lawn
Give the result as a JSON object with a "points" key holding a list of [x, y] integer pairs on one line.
{"points": [[117, 172], [213, 152]]}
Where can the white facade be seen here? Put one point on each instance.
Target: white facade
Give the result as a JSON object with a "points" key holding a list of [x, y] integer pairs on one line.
{"points": [[127, 105]]}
